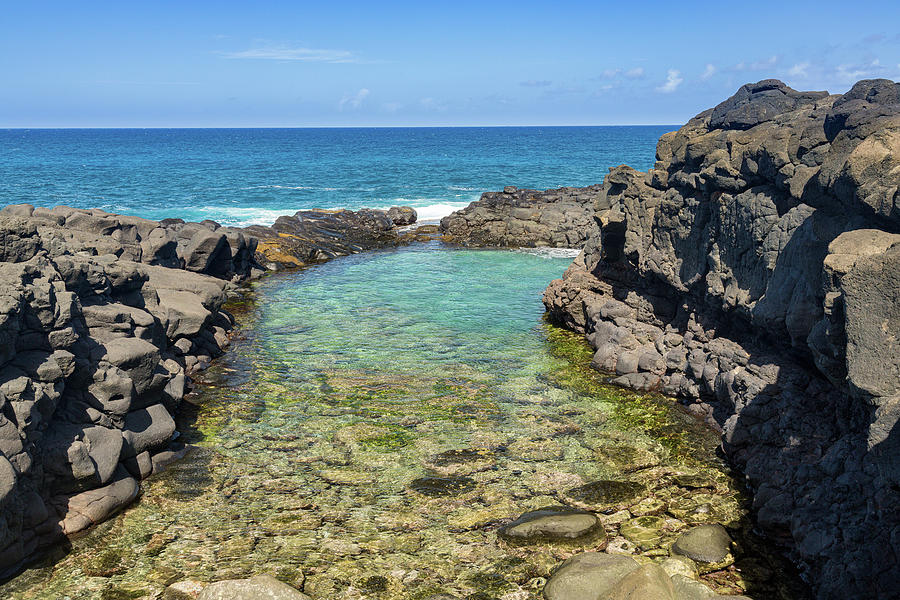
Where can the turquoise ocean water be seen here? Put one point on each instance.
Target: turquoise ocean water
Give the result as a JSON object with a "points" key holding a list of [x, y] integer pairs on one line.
{"points": [[247, 176]]}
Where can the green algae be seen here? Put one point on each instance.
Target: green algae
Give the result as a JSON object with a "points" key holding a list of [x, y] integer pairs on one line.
{"points": [[654, 415]]}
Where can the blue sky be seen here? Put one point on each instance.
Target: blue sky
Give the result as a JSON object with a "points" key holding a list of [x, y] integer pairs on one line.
{"points": [[201, 64]]}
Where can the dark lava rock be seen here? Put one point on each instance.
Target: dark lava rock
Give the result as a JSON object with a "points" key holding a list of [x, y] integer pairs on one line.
{"points": [[442, 486], [755, 270], [588, 576], [554, 524], [402, 215], [316, 235], [605, 494], [704, 544], [514, 218]]}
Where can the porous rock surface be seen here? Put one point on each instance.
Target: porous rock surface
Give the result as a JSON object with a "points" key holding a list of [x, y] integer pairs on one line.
{"points": [[103, 318], [310, 236], [754, 274], [523, 218]]}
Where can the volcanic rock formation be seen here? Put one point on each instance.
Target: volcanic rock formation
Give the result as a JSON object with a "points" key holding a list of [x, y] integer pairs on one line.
{"points": [[754, 274]]}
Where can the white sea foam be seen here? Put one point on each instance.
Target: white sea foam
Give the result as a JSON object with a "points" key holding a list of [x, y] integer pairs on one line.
{"points": [[241, 216], [429, 213], [551, 252]]}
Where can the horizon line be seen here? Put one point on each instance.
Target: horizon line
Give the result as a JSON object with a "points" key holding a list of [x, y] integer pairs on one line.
{"points": [[126, 127]]}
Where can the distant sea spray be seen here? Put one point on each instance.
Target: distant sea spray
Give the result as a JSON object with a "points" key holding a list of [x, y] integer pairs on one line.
{"points": [[252, 176]]}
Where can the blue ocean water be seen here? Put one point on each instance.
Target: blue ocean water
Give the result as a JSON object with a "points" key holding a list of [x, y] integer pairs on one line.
{"points": [[246, 176]]}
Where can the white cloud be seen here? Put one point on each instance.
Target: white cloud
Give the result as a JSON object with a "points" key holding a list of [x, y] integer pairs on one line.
{"points": [[430, 104], [673, 80], [611, 74], [759, 65], [353, 101], [708, 72], [799, 70], [295, 54], [853, 73]]}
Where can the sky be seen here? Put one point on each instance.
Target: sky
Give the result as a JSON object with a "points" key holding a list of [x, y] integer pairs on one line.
{"points": [[345, 63]]}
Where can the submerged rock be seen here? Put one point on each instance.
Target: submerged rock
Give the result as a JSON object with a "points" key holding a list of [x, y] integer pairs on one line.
{"points": [[442, 486], [605, 495], [645, 532], [648, 582], [259, 587], [588, 576], [461, 462], [555, 524], [708, 545]]}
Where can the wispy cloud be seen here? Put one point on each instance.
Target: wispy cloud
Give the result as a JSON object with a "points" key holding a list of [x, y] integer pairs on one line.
{"points": [[353, 101], [610, 74], [850, 73], [800, 70], [431, 104], [536, 83], [875, 38], [708, 72], [758, 65], [673, 80], [150, 83], [289, 53]]}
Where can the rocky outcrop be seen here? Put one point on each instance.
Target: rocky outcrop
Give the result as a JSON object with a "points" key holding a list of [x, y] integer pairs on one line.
{"points": [[103, 319], [316, 235], [517, 218], [754, 274]]}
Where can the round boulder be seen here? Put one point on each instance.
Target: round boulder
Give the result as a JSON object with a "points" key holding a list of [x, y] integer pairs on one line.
{"points": [[554, 524], [707, 545], [588, 576]]}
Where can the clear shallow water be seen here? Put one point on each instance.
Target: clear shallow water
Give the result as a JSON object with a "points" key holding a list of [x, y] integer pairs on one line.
{"points": [[350, 382], [246, 176]]}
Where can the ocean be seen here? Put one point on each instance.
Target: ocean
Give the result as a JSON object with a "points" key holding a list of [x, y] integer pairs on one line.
{"points": [[252, 176]]}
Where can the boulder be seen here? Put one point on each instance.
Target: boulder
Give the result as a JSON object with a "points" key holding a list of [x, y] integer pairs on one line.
{"points": [[709, 544], [648, 582], [554, 524], [588, 576], [402, 215], [259, 587]]}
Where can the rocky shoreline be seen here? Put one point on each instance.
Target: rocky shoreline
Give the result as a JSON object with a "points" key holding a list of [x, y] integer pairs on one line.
{"points": [[753, 275], [103, 319], [521, 218]]}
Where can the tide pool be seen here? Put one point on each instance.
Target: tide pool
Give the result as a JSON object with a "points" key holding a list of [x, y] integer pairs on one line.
{"points": [[378, 418]]}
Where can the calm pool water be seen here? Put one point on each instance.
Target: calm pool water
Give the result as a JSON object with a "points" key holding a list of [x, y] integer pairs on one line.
{"points": [[378, 417]]}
